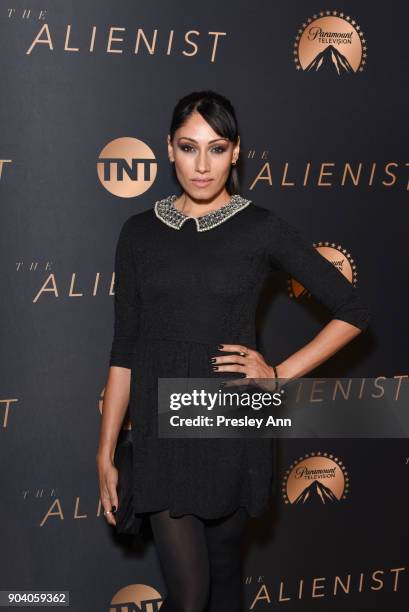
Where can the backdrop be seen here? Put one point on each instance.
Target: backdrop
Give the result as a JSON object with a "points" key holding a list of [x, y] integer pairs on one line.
{"points": [[87, 93]]}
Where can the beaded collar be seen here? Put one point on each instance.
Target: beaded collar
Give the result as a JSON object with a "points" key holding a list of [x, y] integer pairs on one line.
{"points": [[167, 212]]}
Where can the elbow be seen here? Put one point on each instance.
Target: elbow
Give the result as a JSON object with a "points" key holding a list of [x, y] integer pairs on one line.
{"points": [[354, 310], [122, 352], [122, 361], [359, 316], [364, 319]]}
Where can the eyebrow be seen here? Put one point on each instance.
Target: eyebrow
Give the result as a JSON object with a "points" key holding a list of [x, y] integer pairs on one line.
{"points": [[210, 141]]}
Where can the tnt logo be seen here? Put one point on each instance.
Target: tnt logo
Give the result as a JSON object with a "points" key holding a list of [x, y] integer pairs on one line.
{"points": [[126, 167], [136, 598]]}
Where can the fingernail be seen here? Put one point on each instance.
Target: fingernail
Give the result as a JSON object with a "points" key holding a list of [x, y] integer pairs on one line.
{"points": [[215, 367], [213, 359], [220, 345], [113, 509]]}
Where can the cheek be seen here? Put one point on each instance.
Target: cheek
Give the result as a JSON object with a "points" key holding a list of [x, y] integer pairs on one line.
{"points": [[221, 165], [184, 164]]}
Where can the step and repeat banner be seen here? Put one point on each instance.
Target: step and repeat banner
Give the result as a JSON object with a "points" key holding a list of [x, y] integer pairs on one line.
{"points": [[321, 96]]}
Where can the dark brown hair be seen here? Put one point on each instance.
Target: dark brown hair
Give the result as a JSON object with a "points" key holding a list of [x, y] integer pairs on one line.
{"points": [[219, 114]]}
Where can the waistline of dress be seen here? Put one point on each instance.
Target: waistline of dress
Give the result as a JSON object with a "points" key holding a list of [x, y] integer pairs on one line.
{"points": [[245, 340]]}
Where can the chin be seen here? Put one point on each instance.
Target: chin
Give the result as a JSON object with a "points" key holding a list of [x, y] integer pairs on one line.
{"points": [[204, 193]]}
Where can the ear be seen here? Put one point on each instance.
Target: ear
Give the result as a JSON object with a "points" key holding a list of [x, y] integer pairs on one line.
{"points": [[170, 149], [236, 149]]}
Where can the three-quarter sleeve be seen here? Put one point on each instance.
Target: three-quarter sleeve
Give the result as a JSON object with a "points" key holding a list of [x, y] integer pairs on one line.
{"points": [[290, 252], [126, 307]]}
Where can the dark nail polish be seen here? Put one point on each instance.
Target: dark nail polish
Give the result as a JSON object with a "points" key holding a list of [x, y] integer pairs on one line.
{"points": [[113, 509], [213, 359], [220, 346], [215, 367]]}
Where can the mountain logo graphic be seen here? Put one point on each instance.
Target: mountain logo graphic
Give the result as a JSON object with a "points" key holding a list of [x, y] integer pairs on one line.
{"points": [[330, 42], [329, 59], [337, 256], [316, 479], [316, 491]]}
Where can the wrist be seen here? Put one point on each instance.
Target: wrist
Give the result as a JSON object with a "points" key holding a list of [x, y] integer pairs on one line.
{"points": [[281, 370], [105, 453]]}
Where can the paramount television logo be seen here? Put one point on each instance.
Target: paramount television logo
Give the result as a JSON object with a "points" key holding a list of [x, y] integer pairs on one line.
{"points": [[330, 42], [316, 479]]}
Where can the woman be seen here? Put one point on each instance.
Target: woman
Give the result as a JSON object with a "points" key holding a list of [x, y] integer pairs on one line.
{"points": [[188, 274]]}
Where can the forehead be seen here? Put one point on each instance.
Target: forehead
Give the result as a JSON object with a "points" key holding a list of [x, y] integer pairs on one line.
{"points": [[196, 127]]}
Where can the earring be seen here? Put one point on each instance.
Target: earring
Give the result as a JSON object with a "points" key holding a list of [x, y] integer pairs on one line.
{"points": [[234, 162]]}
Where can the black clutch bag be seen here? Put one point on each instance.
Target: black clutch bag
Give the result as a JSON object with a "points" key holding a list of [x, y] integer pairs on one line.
{"points": [[127, 521]]}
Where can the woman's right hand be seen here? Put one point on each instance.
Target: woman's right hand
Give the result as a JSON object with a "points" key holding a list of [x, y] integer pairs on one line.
{"points": [[108, 480]]}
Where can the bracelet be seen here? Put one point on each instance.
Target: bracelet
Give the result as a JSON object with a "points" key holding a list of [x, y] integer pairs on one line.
{"points": [[276, 377]]}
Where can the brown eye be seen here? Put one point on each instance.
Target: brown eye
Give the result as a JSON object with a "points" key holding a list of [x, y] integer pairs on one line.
{"points": [[186, 148], [218, 149]]}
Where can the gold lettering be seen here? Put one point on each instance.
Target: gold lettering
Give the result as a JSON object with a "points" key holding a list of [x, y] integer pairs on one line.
{"points": [[316, 586], [190, 42], [348, 169], [215, 42], [112, 39], [51, 512], [141, 34], [76, 515], [283, 183], [390, 174], [306, 174], [260, 177], [45, 289], [397, 569], [7, 403], [70, 293], [346, 588], [39, 41], [323, 173], [67, 36], [377, 580]]}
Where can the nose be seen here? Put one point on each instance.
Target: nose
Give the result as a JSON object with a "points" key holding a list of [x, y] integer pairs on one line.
{"points": [[202, 162]]}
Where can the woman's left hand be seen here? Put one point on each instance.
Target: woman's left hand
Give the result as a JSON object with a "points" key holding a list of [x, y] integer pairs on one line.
{"points": [[248, 361]]}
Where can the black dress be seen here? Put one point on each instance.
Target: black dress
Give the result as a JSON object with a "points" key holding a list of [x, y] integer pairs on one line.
{"points": [[182, 286]]}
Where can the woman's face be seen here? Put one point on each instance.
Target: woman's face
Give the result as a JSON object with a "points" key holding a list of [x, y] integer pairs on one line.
{"points": [[202, 158]]}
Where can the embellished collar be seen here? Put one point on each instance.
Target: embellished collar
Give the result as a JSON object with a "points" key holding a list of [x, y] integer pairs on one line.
{"points": [[167, 212]]}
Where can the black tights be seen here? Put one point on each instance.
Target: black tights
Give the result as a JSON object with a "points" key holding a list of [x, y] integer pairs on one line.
{"points": [[200, 560]]}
